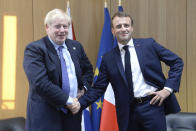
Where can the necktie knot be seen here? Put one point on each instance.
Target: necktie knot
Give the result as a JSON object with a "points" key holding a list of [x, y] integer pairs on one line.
{"points": [[60, 48], [126, 47]]}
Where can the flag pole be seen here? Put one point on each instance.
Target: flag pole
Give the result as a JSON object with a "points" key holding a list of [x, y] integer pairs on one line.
{"points": [[119, 3], [68, 5], [105, 4]]}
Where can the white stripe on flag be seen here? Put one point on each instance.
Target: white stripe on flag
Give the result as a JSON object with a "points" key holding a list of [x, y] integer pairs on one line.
{"points": [[70, 35], [109, 94], [82, 123]]}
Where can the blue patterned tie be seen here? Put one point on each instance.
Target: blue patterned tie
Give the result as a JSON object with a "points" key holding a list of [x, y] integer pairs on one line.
{"points": [[65, 78], [128, 71]]}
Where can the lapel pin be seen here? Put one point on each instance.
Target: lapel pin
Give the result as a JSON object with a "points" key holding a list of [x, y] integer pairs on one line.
{"points": [[74, 48]]}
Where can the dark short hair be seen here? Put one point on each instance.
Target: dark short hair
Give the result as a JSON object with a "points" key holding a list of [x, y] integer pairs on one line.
{"points": [[122, 14]]}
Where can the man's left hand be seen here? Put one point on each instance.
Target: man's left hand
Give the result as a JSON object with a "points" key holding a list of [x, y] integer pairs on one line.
{"points": [[160, 96]]}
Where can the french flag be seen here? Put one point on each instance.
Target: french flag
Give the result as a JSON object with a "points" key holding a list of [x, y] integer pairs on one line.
{"points": [[108, 115]]}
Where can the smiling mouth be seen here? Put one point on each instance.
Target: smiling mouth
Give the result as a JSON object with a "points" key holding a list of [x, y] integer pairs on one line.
{"points": [[61, 35], [124, 34]]}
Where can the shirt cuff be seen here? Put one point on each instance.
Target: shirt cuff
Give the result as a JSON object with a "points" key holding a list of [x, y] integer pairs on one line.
{"points": [[169, 89], [85, 88], [69, 101]]}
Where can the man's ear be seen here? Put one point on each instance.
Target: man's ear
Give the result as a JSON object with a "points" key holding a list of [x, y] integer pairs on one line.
{"points": [[132, 29], [46, 26], [112, 30]]}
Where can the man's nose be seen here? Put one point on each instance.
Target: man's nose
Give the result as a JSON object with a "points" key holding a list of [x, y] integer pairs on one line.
{"points": [[62, 28], [123, 27]]}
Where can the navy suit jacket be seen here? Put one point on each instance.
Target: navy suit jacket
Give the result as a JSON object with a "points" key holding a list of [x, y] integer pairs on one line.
{"points": [[43, 70], [150, 54]]}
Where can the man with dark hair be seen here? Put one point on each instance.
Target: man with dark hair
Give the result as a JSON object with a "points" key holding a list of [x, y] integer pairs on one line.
{"points": [[142, 93]]}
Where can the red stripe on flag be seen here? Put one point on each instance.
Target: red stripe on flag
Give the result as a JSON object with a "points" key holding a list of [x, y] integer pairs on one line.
{"points": [[108, 117], [73, 33]]}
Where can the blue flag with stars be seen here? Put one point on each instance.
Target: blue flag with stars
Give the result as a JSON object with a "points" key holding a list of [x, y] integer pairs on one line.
{"points": [[106, 44]]}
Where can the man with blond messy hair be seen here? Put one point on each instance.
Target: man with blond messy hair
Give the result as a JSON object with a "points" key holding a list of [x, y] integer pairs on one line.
{"points": [[58, 71]]}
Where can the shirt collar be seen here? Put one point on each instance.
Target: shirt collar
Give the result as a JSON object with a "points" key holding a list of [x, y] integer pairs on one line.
{"points": [[130, 43], [56, 46]]}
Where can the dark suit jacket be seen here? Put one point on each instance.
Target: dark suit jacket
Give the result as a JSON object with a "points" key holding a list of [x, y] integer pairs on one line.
{"points": [[149, 55], [43, 70]]}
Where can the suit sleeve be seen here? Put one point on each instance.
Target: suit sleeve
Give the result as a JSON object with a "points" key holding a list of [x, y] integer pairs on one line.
{"points": [[98, 88], [174, 62], [35, 68]]}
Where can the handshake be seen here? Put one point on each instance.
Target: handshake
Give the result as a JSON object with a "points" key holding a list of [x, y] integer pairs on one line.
{"points": [[74, 107]]}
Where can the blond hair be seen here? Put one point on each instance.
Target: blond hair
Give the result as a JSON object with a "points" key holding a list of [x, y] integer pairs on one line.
{"points": [[54, 14]]}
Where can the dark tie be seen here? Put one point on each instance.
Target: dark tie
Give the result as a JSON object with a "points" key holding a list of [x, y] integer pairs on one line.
{"points": [[65, 78], [128, 71]]}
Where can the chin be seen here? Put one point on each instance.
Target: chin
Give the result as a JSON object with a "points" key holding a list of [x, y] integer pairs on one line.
{"points": [[124, 40], [61, 41]]}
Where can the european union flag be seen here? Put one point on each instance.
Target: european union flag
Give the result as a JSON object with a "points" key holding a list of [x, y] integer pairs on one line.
{"points": [[106, 44]]}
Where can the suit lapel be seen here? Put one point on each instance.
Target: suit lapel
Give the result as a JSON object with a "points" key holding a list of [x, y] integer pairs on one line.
{"points": [[119, 64], [53, 55], [139, 52]]}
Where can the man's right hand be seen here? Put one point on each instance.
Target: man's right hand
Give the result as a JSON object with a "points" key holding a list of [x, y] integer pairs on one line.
{"points": [[74, 107]]}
